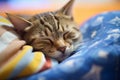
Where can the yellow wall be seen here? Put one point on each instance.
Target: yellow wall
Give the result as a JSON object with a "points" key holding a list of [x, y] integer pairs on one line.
{"points": [[81, 13]]}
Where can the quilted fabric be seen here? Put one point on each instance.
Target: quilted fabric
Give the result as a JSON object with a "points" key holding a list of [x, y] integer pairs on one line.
{"points": [[99, 56]]}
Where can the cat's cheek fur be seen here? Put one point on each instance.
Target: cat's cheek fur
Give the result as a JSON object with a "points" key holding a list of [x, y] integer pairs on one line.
{"points": [[56, 54], [69, 50]]}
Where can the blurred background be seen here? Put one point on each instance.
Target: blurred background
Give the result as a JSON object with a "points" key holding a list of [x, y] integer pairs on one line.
{"points": [[83, 9]]}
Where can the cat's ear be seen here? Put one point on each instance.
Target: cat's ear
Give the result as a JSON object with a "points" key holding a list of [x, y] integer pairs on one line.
{"points": [[18, 22], [67, 9]]}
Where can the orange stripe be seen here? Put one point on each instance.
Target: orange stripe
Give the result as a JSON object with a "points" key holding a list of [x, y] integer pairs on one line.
{"points": [[47, 65]]}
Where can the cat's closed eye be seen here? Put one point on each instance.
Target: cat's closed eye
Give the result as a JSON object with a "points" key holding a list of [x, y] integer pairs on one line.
{"points": [[69, 35], [47, 41]]}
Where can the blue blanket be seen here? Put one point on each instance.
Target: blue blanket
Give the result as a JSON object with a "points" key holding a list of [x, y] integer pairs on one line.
{"points": [[98, 58]]}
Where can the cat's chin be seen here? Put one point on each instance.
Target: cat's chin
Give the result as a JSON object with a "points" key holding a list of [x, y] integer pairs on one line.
{"points": [[61, 58]]}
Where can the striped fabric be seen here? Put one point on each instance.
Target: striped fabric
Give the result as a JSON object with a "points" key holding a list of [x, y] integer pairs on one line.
{"points": [[17, 59]]}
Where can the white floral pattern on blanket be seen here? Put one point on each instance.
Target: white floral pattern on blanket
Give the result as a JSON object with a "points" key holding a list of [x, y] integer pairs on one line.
{"points": [[98, 58]]}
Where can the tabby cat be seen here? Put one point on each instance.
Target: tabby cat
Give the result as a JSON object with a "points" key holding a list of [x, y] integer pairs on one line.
{"points": [[53, 33]]}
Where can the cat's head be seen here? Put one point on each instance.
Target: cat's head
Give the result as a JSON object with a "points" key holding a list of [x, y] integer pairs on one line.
{"points": [[54, 33]]}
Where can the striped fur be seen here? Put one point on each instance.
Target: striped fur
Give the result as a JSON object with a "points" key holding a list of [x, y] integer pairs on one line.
{"points": [[54, 33]]}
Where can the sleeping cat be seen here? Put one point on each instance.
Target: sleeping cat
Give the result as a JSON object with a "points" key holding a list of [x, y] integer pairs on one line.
{"points": [[53, 33]]}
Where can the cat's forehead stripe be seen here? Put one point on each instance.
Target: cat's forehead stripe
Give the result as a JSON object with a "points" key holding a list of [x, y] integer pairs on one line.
{"points": [[56, 21], [76, 29], [46, 24], [50, 21], [63, 28]]}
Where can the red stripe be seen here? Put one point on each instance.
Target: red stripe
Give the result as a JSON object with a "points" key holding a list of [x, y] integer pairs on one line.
{"points": [[47, 65]]}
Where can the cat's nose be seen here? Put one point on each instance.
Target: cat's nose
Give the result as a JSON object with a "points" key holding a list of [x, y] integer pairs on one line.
{"points": [[62, 49]]}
